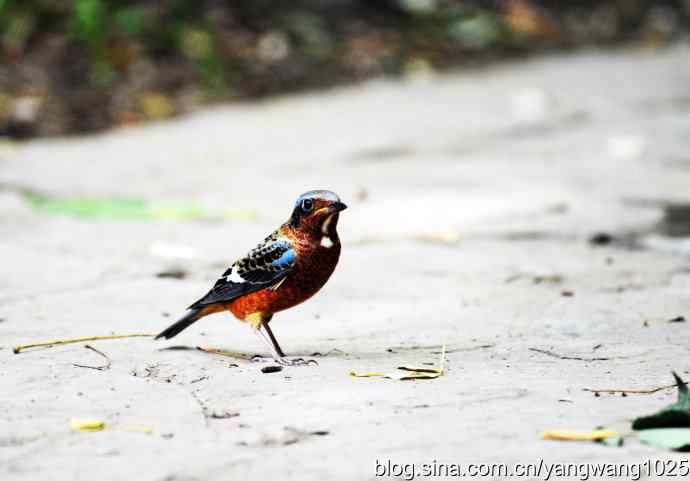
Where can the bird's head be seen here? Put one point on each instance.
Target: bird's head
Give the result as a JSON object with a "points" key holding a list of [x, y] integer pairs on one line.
{"points": [[317, 211]]}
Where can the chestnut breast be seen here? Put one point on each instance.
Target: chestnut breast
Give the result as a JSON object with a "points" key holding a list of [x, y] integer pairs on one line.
{"points": [[314, 265]]}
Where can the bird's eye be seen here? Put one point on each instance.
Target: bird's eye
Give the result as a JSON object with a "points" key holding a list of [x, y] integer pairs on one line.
{"points": [[307, 205]]}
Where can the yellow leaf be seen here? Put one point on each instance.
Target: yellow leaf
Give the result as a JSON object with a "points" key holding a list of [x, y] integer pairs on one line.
{"points": [[354, 373], [86, 424], [571, 435], [137, 429], [408, 372]]}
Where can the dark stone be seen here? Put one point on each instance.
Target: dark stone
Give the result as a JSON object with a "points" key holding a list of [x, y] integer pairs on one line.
{"points": [[270, 369], [601, 239]]}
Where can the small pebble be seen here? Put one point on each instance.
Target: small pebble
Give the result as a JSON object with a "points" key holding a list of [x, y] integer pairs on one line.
{"points": [[601, 239], [270, 369]]}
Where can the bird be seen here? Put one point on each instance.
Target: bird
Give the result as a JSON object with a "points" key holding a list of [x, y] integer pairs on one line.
{"points": [[291, 265]]}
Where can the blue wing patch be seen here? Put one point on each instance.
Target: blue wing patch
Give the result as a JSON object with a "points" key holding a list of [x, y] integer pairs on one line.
{"points": [[287, 259], [264, 266]]}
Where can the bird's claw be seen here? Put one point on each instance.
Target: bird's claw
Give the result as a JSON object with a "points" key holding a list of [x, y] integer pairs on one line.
{"points": [[296, 362], [260, 358], [284, 361]]}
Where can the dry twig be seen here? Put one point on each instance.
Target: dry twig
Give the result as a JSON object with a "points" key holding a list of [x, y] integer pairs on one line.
{"points": [[22, 347], [597, 392], [569, 358], [105, 367]]}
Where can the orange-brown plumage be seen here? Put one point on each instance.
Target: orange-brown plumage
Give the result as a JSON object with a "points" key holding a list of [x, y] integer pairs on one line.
{"points": [[289, 267], [313, 266]]}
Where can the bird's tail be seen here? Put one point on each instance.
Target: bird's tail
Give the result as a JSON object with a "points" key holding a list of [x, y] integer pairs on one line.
{"points": [[183, 323]]}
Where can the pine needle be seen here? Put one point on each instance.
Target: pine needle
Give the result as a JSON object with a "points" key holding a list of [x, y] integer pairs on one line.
{"points": [[220, 352], [22, 347]]}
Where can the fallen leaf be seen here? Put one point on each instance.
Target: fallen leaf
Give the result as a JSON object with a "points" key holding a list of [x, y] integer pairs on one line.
{"points": [[136, 429], [677, 439], [86, 424], [677, 415], [571, 435], [408, 373], [117, 208], [92, 425]]}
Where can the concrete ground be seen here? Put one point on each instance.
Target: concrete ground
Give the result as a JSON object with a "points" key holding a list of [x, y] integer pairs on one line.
{"points": [[472, 198]]}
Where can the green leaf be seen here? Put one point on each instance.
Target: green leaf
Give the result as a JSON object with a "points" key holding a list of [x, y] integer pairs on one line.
{"points": [[671, 438], [128, 209], [88, 207], [676, 415]]}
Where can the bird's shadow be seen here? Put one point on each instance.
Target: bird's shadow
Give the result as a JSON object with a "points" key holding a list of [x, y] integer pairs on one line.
{"points": [[334, 353], [249, 356]]}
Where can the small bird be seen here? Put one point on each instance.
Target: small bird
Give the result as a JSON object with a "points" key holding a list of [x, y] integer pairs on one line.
{"points": [[287, 268]]}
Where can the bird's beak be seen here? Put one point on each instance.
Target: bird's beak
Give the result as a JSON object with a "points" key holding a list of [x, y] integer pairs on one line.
{"points": [[337, 207]]}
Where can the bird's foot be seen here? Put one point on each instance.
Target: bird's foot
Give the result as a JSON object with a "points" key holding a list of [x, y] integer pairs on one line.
{"points": [[284, 361], [260, 358]]}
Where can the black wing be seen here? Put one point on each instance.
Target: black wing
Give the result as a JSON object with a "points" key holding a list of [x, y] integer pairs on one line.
{"points": [[264, 266]]}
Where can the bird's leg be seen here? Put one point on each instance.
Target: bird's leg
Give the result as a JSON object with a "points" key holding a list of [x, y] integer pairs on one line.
{"points": [[256, 325], [274, 341], [276, 351], [258, 357]]}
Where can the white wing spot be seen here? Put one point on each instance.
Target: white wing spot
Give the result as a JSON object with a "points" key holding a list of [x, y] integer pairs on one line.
{"points": [[235, 277], [326, 242]]}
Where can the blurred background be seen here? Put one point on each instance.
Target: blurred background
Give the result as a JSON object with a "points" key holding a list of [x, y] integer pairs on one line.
{"points": [[80, 66], [517, 178]]}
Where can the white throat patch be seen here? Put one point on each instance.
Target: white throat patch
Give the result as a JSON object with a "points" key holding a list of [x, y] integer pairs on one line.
{"points": [[326, 242]]}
